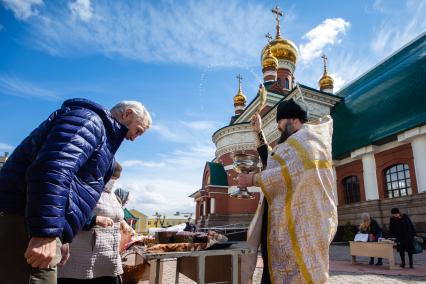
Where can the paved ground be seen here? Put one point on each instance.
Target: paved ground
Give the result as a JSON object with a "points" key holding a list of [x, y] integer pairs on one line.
{"points": [[341, 270]]}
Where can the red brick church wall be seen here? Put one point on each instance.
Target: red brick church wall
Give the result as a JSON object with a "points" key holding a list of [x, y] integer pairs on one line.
{"points": [[398, 155], [351, 169]]}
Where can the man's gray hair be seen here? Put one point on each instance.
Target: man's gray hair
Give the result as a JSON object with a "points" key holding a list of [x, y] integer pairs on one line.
{"points": [[140, 111]]}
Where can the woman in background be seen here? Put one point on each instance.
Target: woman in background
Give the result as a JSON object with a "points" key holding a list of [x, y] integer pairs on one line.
{"points": [[94, 253], [401, 228], [371, 227]]}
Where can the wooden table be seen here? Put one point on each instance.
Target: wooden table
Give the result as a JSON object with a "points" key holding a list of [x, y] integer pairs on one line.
{"points": [[199, 269], [373, 249]]}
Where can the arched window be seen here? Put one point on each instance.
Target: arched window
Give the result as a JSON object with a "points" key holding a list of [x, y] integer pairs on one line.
{"points": [[287, 84], [397, 180], [351, 189], [279, 82]]}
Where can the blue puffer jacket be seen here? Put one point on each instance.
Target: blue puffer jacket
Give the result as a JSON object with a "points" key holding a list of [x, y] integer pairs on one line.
{"points": [[56, 175]]}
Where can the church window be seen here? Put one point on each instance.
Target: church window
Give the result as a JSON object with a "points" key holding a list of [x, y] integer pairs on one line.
{"points": [[397, 180], [351, 189], [287, 84]]}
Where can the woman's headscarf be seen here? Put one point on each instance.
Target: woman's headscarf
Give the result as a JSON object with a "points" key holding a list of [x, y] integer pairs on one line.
{"points": [[122, 196]]}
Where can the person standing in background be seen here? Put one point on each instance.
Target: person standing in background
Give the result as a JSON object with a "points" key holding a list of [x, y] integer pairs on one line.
{"points": [[402, 229]]}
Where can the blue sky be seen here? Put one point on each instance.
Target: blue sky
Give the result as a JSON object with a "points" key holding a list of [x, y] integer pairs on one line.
{"points": [[180, 59]]}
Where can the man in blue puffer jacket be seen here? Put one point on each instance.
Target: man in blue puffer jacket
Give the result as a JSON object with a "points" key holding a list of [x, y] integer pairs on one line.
{"points": [[53, 180]]}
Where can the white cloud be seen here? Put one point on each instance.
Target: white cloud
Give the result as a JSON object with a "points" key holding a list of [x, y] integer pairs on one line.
{"points": [[139, 163], [158, 195], [192, 32], [164, 184], [23, 9], [202, 125], [338, 81], [11, 85], [81, 9], [398, 29], [184, 131], [6, 147], [166, 189], [326, 33]]}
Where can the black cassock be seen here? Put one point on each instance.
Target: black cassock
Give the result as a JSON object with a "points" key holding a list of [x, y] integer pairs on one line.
{"points": [[263, 153]]}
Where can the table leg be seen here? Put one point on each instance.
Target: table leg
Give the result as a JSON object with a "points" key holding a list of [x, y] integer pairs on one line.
{"points": [[177, 271], [157, 271], [391, 260], [201, 269], [354, 259], [152, 276], [235, 269]]}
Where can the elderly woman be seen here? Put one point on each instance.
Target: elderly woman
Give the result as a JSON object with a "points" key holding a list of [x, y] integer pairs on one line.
{"points": [[371, 227], [94, 253]]}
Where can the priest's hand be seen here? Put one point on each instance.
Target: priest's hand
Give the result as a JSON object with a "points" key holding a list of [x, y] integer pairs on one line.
{"points": [[256, 122], [245, 180]]}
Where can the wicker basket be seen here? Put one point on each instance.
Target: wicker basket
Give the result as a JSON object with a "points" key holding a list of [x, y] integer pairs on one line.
{"points": [[134, 268], [133, 274]]}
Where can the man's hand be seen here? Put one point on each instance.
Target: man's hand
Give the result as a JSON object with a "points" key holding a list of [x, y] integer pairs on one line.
{"points": [[40, 252], [104, 221], [256, 122], [245, 180], [65, 252]]}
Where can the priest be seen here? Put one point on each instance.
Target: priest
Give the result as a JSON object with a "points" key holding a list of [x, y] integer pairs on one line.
{"points": [[297, 218]]}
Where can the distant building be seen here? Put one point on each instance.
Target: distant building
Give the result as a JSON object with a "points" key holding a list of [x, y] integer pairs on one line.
{"points": [[130, 218], [163, 221], [141, 225]]}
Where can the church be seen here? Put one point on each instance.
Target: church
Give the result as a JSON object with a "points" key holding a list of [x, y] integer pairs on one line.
{"points": [[379, 138]]}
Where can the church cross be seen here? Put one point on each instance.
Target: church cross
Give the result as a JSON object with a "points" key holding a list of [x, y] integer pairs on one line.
{"points": [[325, 59], [240, 78], [278, 13]]}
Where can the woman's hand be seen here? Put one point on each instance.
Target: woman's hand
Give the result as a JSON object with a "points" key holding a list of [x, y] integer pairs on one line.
{"points": [[104, 221]]}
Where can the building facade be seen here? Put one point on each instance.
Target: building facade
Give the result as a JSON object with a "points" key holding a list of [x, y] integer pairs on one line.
{"points": [[379, 138], [141, 225], [163, 221]]}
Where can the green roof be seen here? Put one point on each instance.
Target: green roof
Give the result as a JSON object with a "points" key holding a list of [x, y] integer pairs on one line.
{"points": [[387, 100], [217, 174], [128, 215]]}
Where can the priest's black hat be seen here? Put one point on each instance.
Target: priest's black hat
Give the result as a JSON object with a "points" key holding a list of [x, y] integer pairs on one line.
{"points": [[291, 109]]}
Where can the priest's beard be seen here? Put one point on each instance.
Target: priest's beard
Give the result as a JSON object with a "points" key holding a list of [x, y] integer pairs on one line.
{"points": [[286, 132]]}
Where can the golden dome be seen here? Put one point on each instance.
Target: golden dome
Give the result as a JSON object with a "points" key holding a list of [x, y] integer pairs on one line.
{"points": [[326, 82], [239, 98], [269, 60], [281, 49]]}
